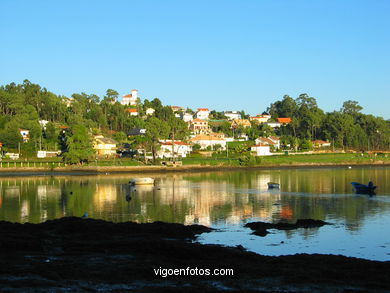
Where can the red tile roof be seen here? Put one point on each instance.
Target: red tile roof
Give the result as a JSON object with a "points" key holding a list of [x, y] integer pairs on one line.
{"points": [[320, 142], [203, 109], [132, 110], [128, 96], [284, 120]]}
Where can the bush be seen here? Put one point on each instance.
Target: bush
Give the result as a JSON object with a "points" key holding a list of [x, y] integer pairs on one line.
{"points": [[247, 160], [196, 147]]}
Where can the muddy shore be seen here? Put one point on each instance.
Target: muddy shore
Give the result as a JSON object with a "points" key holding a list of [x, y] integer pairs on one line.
{"points": [[85, 255]]}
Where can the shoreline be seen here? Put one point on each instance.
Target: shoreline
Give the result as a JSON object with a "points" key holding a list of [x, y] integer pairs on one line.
{"points": [[88, 170], [84, 255]]}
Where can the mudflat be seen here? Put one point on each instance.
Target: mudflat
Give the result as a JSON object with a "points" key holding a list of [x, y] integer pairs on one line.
{"points": [[85, 255]]}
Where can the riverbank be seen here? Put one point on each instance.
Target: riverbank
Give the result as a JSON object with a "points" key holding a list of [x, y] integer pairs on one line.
{"points": [[79, 255], [184, 168]]}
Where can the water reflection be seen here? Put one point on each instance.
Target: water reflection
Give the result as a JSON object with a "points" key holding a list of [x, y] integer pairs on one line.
{"points": [[213, 199], [220, 199]]}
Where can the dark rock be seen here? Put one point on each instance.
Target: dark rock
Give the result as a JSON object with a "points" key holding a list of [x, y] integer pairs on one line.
{"points": [[261, 228]]}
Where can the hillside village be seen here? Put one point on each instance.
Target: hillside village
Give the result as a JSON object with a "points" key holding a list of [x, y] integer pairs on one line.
{"points": [[128, 126], [201, 135]]}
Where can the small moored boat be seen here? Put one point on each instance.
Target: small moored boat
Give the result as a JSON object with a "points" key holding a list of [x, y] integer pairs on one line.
{"points": [[362, 188], [142, 181], [273, 185]]}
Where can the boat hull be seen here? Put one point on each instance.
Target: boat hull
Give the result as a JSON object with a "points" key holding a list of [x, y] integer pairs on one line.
{"points": [[272, 185], [362, 188]]}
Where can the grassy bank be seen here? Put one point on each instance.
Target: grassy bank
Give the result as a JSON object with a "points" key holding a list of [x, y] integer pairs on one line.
{"points": [[198, 163], [282, 160]]}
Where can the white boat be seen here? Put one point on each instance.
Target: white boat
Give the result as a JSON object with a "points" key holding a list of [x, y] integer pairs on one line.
{"points": [[142, 181]]}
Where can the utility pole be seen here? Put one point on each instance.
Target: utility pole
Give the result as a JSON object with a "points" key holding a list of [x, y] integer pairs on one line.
{"points": [[227, 150]]}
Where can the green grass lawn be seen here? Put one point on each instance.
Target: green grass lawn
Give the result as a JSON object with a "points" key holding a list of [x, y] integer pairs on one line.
{"points": [[290, 159], [323, 158]]}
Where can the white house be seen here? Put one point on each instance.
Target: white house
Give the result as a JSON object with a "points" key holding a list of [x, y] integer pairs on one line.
{"points": [[231, 115], [203, 113], [132, 111], [273, 124], [180, 149], [271, 141], [209, 140], [177, 109], [321, 143], [261, 150], [150, 111], [130, 99], [187, 117], [260, 118]]}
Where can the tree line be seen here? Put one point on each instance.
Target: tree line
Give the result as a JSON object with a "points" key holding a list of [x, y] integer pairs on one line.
{"points": [[346, 128], [70, 126]]}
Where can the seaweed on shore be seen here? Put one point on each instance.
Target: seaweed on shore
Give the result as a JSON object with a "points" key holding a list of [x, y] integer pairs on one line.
{"points": [[84, 255], [261, 228]]}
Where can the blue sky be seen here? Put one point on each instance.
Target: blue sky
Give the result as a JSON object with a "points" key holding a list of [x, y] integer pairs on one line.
{"points": [[225, 55]]}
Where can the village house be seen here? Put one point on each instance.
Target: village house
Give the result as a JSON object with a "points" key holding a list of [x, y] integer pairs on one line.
{"points": [[199, 126], [261, 150], [260, 118], [150, 111], [187, 117], [203, 113], [321, 144], [273, 124], [231, 115], [209, 141], [104, 146], [179, 148], [243, 122], [271, 141], [130, 99], [284, 121], [25, 134], [68, 101], [177, 109], [132, 111]]}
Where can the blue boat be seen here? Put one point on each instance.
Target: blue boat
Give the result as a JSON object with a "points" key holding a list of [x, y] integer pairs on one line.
{"points": [[364, 189], [273, 185]]}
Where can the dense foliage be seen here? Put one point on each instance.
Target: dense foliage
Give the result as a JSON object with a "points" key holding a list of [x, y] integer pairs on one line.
{"points": [[22, 106], [347, 128]]}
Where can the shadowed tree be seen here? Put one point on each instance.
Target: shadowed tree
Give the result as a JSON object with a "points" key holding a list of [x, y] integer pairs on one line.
{"points": [[79, 145]]}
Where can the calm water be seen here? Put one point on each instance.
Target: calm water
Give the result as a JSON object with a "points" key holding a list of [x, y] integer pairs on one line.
{"points": [[226, 201]]}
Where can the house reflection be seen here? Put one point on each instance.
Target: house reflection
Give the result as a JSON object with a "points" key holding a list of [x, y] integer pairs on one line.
{"points": [[105, 196], [207, 198]]}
